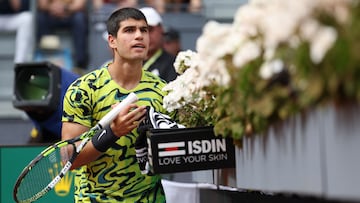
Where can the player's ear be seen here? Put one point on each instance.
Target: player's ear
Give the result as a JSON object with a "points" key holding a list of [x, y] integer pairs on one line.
{"points": [[111, 41]]}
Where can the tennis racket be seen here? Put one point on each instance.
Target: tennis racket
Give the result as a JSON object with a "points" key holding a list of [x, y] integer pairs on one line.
{"points": [[36, 179]]}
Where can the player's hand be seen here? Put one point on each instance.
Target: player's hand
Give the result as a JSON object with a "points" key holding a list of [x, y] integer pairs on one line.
{"points": [[128, 119]]}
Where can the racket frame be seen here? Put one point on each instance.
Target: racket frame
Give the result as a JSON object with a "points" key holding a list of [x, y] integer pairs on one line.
{"points": [[85, 137]]}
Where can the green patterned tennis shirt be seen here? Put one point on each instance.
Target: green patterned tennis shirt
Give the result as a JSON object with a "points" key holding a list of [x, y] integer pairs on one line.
{"points": [[115, 176]]}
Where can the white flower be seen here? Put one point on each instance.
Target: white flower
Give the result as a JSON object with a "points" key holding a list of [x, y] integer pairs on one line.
{"points": [[321, 43], [213, 72], [269, 68], [248, 18], [309, 28], [321, 38], [247, 52], [210, 43], [184, 60], [182, 90]]}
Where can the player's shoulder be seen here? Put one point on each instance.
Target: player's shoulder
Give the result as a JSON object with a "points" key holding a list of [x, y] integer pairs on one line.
{"points": [[96, 76]]}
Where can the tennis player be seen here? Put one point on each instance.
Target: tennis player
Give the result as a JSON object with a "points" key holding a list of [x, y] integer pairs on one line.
{"points": [[107, 169]]}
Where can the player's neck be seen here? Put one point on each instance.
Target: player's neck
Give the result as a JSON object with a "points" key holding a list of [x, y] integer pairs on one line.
{"points": [[126, 75]]}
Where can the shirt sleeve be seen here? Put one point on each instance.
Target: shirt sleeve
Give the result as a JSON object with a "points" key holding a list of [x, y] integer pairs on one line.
{"points": [[77, 104]]}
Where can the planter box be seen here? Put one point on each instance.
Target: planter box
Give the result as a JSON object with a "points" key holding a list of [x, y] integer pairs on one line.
{"points": [[316, 153]]}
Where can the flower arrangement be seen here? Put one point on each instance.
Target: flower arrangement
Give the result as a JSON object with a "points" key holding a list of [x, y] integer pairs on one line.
{"points": [[277, 58]]}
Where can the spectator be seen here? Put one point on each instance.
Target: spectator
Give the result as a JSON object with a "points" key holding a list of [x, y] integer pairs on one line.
{"points": [[101, 9], [194, 6], [70, 14], [163, 6], [114, 4], [108, 169], [158, 61], [172, 41], [15, 15]]}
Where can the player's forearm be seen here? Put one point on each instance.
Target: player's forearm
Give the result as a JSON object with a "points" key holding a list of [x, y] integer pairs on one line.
{"points": [[87, 155]]}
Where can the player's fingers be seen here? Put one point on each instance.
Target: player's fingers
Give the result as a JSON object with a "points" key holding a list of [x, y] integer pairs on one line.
{"points": [[138, 113], [137, 122]]}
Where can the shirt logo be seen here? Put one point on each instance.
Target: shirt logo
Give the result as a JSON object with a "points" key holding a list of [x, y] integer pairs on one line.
{"points": [[101, 134]]}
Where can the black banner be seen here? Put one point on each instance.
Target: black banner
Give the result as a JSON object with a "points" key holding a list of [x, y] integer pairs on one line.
{"points": [[189, 149]]}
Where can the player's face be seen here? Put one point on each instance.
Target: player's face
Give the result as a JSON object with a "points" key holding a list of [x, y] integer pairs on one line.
{"points": [[132, 40]]}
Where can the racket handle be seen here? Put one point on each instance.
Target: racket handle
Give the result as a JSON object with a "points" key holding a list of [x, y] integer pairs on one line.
{"points": [[109, 117]]}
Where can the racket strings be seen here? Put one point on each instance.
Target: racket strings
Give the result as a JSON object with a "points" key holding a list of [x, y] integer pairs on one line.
{"points": [[34, 183], [41, 174]]}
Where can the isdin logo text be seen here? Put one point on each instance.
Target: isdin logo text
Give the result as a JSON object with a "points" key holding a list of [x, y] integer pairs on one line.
{"points": [[193, 147], [62, 188], [206, 146]]}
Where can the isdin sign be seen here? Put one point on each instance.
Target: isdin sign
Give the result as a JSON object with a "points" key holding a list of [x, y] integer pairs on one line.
{"points": [[189, 149]]}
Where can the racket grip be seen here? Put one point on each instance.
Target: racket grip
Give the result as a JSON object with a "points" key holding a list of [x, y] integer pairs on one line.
{"points": [[109, 117]]}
